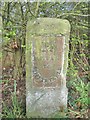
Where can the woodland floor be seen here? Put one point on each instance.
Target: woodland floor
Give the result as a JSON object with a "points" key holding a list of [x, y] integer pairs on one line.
{"points": [[8, 89]]}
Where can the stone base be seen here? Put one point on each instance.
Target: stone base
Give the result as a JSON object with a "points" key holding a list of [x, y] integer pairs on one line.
{"points": [[45, 102]]}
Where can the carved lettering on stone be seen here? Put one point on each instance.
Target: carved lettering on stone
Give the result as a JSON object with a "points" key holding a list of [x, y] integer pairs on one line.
{"points": [[47, 44], [47, 61]]}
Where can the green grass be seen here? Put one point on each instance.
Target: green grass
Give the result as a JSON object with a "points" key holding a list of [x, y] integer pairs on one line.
{"points": [[15, 110], [79, 87]]}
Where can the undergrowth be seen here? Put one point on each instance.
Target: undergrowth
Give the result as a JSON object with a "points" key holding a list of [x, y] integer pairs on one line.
{"points": [[15, 110]]}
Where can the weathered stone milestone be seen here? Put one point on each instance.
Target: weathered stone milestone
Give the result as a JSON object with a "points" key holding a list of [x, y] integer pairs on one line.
{"points": [[46, 66]]}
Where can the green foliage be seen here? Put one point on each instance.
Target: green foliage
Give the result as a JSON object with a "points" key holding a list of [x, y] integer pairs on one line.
{"points": [[15, 110], [9, 33], [15, 17], [0, 55], [82, 89]]}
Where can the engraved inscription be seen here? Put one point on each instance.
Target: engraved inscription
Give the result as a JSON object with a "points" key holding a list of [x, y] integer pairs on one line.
{"points": [[47, 54]]}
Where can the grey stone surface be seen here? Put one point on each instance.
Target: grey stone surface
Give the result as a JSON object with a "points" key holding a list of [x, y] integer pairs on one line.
{"points": [[45, 102], [46, 66]]}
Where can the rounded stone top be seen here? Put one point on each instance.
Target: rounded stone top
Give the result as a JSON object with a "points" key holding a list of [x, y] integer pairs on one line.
{"points": [[45, 26]]}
